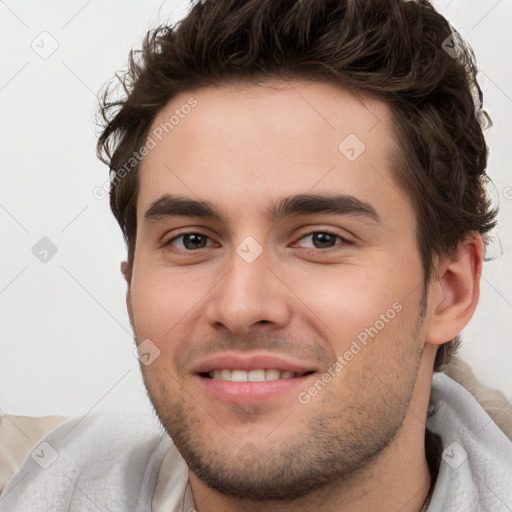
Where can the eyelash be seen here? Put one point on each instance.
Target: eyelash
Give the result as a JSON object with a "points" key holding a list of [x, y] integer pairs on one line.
{"points": [[343, 240]]}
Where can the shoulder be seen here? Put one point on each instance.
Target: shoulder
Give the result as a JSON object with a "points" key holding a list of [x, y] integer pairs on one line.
{"points": [[18, 434], [494, 402], [473, 422], [84, 463]]}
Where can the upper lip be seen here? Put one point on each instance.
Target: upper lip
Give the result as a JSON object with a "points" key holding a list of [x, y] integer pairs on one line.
{"points": [[250, 362]]}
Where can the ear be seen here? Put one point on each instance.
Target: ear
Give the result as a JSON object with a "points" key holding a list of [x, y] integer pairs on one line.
{"points": [[454, 292], [126, 271]]}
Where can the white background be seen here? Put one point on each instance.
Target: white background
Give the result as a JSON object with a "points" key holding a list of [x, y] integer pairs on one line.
{"points": [[65, 339]]}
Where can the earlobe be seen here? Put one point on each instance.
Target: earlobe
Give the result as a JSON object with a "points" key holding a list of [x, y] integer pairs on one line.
{"points": [[129, 306], [126, 271], [455, 291]]}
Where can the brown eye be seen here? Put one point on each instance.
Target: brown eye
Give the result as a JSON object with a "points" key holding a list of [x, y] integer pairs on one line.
{"points": [[189, 241], [320, 240]]}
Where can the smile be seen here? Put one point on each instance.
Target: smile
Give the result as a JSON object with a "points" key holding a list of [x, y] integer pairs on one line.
{"points": [[258, 375], [251, 378]]}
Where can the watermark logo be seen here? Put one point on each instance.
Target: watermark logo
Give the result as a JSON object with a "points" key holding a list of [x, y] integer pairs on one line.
{"points": [[44, 455], [45, 45], [351, 147], [249, 249], [454, 455], [44, 250], [453, 45], [146, 352]]}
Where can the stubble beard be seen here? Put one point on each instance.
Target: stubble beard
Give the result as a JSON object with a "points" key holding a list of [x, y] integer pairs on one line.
{"points": [[332, 448]]}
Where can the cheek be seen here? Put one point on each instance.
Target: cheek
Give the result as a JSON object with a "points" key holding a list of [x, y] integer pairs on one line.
{"points": [[351, 298], [161, 304]]}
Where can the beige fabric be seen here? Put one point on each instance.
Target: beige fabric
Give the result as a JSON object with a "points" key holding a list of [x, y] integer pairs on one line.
{"points": [[18, 434]]}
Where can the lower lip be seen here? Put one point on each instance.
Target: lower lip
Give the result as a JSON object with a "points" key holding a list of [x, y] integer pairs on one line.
{"points": [[251, 392]]}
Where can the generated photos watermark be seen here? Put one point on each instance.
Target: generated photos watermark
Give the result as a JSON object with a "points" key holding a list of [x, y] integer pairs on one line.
{"points": [[356, 346], [156, 136]]}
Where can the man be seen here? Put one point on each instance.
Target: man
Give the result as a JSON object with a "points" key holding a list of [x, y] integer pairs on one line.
{"points": [[301, 189]]}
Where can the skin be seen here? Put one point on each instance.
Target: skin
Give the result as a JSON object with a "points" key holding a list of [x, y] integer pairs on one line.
{"points": [[358, 444]]}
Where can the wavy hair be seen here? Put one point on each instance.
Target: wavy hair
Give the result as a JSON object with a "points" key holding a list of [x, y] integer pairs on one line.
{"points": [[403, 52]]}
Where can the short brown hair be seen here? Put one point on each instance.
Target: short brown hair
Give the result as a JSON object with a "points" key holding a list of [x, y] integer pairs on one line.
{"points": [[403, 52]]}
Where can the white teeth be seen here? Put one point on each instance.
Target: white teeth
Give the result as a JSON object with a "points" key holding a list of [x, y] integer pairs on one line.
{"points": [[239, 376], [259, 375], [256, 376], [272, 374]]}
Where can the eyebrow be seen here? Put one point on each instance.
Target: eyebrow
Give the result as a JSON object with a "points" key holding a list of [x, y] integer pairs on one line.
{"points": [[338, 204], [301, 204]]}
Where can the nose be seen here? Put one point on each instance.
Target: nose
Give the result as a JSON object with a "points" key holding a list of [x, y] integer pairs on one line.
{"points": [[249, 296]]}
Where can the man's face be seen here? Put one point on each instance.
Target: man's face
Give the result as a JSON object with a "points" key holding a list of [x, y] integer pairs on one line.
{"points": [[289, 328]]}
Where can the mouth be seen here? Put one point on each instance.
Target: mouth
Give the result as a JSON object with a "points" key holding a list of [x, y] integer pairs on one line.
{"points": [[257, 375], [251, 379]]}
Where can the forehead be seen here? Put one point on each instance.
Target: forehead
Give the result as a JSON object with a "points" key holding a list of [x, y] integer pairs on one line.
{"points": [[247, 143]]}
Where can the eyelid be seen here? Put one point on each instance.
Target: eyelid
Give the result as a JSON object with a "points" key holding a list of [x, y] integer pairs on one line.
{"points": [[329, 231], [327, 227], [166, 239]]}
